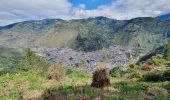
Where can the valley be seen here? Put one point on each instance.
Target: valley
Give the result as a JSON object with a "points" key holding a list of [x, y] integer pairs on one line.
{"points": [[55, 59]]}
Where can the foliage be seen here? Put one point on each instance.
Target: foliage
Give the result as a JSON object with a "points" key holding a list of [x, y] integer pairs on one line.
{"points": [[157, 56], [92, 42], [167, 51], [21, 84], [167, 86], [32, 61], [153, 77], [131, 68], [116, 72], [8, 60], [166, 75]]}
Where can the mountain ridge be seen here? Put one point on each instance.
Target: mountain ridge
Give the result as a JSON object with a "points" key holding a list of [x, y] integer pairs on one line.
{"points": [[164, 17], [90, 34]]}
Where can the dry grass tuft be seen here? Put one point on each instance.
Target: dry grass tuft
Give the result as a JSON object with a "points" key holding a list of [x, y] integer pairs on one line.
{"points": [[100, 78], [155, 91], [147, 67], [54, 73]]}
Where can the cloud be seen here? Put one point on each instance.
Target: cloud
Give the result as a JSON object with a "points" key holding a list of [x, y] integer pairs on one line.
{"points": [[20, 10], [32, 9], [127, 9]]}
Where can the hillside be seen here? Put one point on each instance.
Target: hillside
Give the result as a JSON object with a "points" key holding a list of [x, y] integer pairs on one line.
{"points": [[139, 34], [37, 79], [163, 51], [63, 55]]}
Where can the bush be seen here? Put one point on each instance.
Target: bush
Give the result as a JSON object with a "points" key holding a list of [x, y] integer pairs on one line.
{"points": [[100, 79], [142, 86], [166, 75], [167, 51], [167, 86], [32, 62], [131, 68], [136, 74], [153, 77], [116, 72]]}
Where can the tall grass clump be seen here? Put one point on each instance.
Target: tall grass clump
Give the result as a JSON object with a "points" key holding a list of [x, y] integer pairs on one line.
{"points": [[100, 79]]}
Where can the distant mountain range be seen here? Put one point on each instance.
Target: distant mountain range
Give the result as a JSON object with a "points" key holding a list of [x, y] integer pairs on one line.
{"points": [[164, 17], [138, 35]]}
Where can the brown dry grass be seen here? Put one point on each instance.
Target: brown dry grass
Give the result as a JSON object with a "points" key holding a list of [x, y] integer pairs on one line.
{"points": [[54, 73], [100, 79]]}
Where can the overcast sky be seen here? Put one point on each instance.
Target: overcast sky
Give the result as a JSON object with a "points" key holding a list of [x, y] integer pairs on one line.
{"points": [[20, 10]]}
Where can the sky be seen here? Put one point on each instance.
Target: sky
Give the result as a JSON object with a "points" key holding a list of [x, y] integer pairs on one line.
{"points": [[12, 11]]}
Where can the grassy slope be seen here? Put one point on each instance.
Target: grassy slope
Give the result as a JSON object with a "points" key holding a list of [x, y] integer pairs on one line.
{"points": [[31, 81], [76, 85]]}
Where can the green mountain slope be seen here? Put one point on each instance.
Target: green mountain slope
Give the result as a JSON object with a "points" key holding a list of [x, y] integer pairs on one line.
{"points": [[143, 33], [139, 34], [162, 52]]}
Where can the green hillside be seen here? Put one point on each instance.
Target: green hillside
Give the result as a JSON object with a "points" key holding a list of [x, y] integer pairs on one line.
{"points": [[163, 51], [87, 34], [36, 79], [27, 76]]}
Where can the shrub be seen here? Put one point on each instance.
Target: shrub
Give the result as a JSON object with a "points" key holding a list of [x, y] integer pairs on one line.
{"points": [[116, 72], [153, 77], [100, 79], [131, 68], [167, 86], [142, 86], [167, 51], [166, 75], [32, 62], [136, 74]]}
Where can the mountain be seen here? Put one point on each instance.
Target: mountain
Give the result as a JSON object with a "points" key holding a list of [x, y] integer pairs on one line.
{"points": [[164, 17], [139, 35], [61, 52], [55, 33]]}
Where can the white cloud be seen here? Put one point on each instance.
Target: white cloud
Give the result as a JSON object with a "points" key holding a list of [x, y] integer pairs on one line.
{"points": [[20, 10], [32, 9], [127, 9]]}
